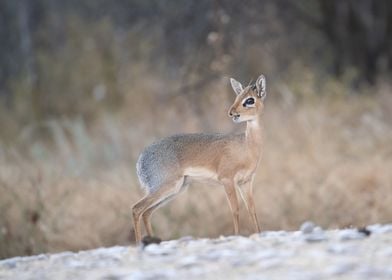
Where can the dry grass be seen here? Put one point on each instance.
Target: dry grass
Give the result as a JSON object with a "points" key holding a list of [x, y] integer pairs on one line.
{"points": [[326, 159]]}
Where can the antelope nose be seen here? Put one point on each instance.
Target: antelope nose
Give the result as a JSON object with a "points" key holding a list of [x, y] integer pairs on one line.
{"points": [[231, 113]]}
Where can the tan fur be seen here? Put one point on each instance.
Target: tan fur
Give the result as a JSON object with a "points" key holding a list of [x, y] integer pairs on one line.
{"points": [[164, 168]]}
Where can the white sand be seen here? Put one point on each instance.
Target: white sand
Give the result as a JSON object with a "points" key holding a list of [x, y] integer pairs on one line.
{"points": [[307, 254]]}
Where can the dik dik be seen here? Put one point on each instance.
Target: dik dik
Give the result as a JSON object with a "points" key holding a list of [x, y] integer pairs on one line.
{"points": [[166, 167]]}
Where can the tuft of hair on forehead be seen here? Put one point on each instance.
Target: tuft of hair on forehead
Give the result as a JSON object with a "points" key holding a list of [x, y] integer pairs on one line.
{"points": [[251, 84], [253, 87]]}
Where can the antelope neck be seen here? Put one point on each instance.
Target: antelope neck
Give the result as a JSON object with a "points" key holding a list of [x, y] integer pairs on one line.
{"points": [[253, 133]]}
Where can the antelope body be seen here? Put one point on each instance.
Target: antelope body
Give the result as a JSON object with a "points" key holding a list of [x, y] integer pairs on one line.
{"points": [[166, 167]]}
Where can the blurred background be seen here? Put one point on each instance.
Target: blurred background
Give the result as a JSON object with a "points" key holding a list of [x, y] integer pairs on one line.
{"points": [[85, 85]]}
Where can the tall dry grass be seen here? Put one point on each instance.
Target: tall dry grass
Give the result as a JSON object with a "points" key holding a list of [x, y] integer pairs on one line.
{"points": [[71, 186]]}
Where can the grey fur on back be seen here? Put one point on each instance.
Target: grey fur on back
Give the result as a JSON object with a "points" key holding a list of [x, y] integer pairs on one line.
{"points": [[160, 161]]}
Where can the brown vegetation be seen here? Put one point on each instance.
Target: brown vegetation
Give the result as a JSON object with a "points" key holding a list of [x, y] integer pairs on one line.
{"points": [[326, 159]]}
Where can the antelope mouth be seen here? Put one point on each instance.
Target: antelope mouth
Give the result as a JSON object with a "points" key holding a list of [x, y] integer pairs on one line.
{"points": [[236, 118]]}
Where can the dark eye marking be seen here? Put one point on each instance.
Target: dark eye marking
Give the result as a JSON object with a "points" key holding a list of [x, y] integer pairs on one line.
{"points": [[249, 101]]}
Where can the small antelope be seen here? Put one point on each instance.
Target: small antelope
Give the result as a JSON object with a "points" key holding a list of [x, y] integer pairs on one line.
{"points": [[166, 167]]}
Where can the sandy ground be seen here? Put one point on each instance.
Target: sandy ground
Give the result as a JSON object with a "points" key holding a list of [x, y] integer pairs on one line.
{"points": [[310, 253]]}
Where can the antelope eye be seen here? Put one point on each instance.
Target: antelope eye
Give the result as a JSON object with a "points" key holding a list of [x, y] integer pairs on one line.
{"points": [[249, 101]]}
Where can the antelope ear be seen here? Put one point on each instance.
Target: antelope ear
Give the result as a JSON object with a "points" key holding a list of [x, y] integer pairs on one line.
{"points": [[237, 87], [261, 87]]}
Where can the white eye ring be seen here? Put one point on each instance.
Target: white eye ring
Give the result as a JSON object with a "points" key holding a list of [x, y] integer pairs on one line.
{"points": [[244, 102]]}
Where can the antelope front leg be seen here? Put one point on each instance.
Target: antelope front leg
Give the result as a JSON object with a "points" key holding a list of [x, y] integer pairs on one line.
{"points": [[246, 191], [233, 202]]}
